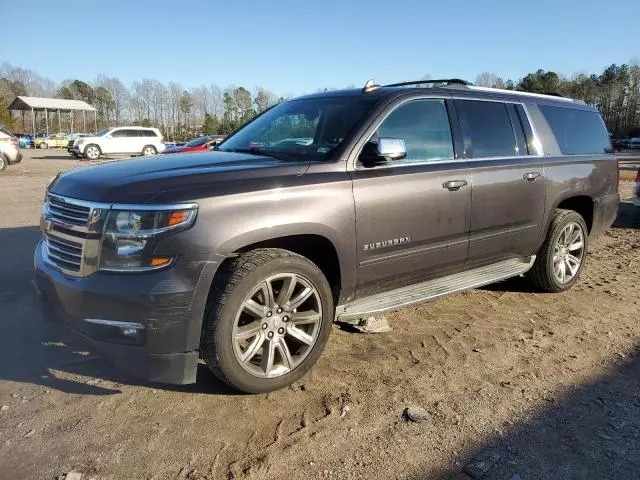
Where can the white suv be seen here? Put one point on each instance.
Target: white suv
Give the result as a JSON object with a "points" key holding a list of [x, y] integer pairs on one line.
{"points": [[120, 141]]}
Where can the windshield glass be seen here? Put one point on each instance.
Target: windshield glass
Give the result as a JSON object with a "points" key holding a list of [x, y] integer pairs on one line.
{"points": [[102, 133], [196, 142], [309, 128]]}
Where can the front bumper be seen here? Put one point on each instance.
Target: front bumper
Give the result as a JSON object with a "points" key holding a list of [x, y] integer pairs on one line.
{"points": [[164, 308]]}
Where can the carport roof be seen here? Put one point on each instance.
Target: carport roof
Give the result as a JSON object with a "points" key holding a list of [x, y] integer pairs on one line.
{"points": [[37, 103]]}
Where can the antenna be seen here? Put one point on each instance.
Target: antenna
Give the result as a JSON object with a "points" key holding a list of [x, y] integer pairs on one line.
{"points": [[370, 86]]}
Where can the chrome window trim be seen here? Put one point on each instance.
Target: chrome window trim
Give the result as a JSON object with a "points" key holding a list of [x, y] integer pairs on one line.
{"points": [[536, 137]]}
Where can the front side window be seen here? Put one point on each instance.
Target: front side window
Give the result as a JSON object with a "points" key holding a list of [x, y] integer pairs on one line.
{"points": [[305, 129], [578, 132], [486, 128], [424, 127], [119, 134]]}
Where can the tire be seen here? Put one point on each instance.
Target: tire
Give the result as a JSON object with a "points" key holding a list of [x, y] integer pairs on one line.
{"points": [[243, 280], [4, 161], [149, 150], [546, 273], [92, 152]]}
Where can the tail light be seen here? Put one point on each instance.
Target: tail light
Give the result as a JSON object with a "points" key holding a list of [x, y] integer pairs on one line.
{"points": [[638, 176], [14, 142]]}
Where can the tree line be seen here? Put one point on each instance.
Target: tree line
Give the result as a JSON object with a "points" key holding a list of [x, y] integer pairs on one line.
{"points": [[181, 113]]}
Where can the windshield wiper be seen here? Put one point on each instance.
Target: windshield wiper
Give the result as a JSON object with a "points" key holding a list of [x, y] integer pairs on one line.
{"points": [[261, 152]]}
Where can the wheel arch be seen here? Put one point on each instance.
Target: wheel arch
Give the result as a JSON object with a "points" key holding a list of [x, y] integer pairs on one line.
{"points": [[582, 204]]}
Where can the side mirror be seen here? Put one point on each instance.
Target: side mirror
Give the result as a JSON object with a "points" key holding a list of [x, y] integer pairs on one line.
{"points": [[391, 148], [382, 151]]}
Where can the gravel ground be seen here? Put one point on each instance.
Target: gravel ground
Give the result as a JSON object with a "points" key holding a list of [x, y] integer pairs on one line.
{"points": [[540, 385]]}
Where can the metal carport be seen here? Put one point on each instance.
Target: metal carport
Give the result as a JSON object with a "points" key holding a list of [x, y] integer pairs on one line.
{"points": [[37, 104]]}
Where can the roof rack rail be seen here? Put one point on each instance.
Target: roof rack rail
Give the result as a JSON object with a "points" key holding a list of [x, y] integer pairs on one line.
{"points": [[525, 94], [448, 81]]}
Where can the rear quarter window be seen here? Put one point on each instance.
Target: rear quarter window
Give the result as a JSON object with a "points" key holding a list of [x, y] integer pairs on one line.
{"points": [[149, 133], [578, 132]]}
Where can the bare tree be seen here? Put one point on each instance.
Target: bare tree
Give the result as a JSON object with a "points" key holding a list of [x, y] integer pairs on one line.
{"points": [[491, 80]]}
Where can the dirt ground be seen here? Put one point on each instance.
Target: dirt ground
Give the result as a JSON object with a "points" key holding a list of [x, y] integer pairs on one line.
{"points": [[549, 383]]}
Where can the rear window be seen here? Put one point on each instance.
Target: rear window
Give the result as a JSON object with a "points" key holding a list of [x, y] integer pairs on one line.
{"points": [[148, 133], [487, 129], [578, 132]]}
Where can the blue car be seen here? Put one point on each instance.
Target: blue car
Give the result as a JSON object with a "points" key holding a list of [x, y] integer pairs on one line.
{"points": [[24, 140]]}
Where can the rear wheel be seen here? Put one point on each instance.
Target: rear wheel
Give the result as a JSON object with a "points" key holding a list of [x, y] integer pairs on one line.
{"points": [[268, 320], [563, 253], [149, 150], [4, 161], [92, 152]]}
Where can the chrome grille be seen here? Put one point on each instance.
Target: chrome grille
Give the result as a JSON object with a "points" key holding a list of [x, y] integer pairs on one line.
{"points": [[72, 233], [68, 213], [63, 253]]}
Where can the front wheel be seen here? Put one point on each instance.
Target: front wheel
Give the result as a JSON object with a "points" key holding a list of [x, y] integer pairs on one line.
{"points": [[563, 254], [149, 150], [92, 152], [268, 320]]}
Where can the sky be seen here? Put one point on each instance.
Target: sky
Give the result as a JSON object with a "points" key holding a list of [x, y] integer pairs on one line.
{"points": [[295, 47]]}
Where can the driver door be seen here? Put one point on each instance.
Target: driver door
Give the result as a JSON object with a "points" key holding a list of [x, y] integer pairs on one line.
{"points": [[412, 222]]}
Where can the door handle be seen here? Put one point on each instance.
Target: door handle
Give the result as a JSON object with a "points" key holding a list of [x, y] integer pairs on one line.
{"points": [[454, 185], [531, 176]]}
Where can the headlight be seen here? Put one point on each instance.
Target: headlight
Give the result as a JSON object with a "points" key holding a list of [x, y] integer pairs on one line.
{"points": [[130, 236]]}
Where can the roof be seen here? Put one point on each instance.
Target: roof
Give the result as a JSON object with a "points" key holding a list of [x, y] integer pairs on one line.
{"points": [[37, 103], [458, 91]]}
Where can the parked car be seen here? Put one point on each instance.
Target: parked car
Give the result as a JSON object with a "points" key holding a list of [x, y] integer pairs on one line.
{"points": [[618, 144], [244, 256], [9, 152], [119, 141], [56, 140], [636, 196], [199, 144], [72, 139], [24, 140], [634, 142]]}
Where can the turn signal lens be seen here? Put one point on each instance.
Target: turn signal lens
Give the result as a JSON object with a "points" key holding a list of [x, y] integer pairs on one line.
{"points": [[159, 261], [176, 218]]}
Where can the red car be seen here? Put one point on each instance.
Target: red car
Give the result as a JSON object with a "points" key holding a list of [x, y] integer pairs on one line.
{"points": [[200, 144]]}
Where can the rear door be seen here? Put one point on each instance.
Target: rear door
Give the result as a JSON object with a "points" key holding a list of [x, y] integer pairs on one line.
{"points": [[508, 194], [411, 223]]}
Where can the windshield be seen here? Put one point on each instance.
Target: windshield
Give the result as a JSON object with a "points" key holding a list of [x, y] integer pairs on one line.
{"points": [[102, 133], [196, 142], [309, 128]]}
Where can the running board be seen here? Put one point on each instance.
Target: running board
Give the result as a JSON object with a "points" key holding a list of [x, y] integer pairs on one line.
{"points": [[422, 292]]}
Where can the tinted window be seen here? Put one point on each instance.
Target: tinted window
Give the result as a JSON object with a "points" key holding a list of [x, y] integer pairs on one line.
{"points": [[424, 127], [577, 131], [148, 133], [487, 129], [119, 134]]}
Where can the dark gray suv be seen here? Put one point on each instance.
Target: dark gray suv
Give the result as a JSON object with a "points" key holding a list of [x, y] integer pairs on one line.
{"points": [[336, 205]]}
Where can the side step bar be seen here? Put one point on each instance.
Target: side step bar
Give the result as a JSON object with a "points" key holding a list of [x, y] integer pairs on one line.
{"points": [[421, 292]]}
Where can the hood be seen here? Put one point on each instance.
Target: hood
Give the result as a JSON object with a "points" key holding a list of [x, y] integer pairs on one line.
{"points": [[175, 178]]}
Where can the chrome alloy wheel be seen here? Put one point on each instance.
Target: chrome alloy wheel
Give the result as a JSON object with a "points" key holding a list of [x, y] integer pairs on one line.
{"points": [[568, 252], [277, 325]]}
